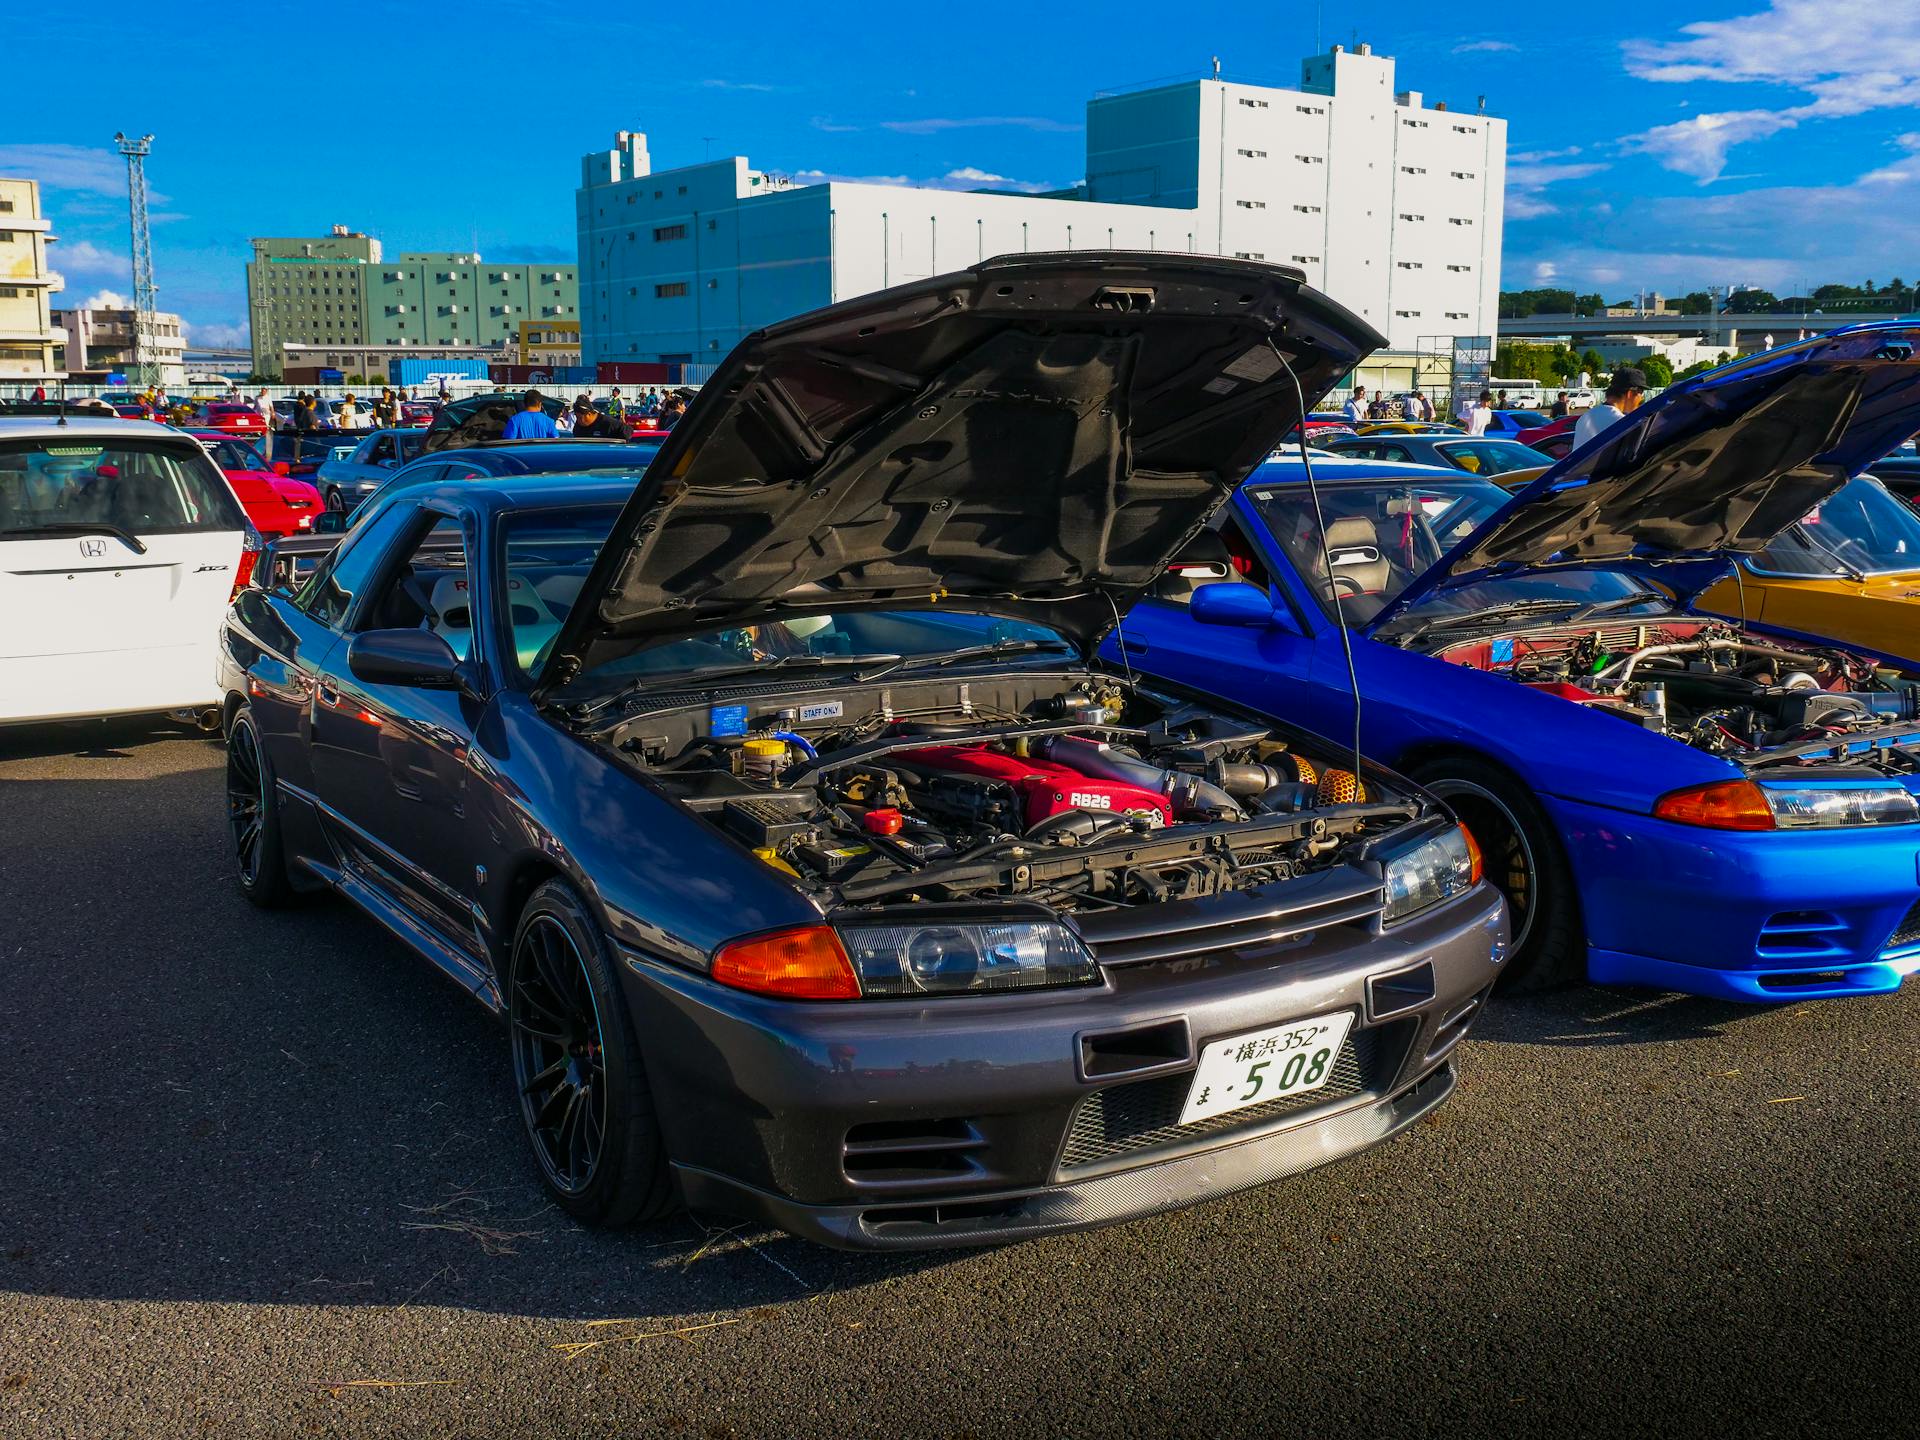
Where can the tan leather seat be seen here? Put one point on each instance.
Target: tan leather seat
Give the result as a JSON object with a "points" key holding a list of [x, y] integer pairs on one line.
{"points": [[1359, 567]]}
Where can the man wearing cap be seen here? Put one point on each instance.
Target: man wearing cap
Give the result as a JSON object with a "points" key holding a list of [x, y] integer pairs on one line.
{"points": [[533, 422], [590, 424], [1625, 391]]}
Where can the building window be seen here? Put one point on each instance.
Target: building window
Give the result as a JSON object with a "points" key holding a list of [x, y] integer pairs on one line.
{"points": [[1412, 265], [1254, 154], [1463, 130], [1251, 204], [1414, 124], [713, 284], [6, 207], [1409, 215], [633, 290], [1408, 314], [670, 232], [1459, 269], [713, 224], [1463, 174], [1308, 209], [658, 193], [1311, 109], [9, 292], [681, 190], [672, 290], [1456, 220], [1456, 314], [1306, 259], [1253, 104], [1249, 254], [1310, 159], [1413, 169]]}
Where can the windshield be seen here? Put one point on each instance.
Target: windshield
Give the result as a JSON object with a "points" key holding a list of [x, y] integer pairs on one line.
{"points": [[235, 454], [134, 486], [1493, 457], [1526, 419], [1861, 530], [549, 554], [1382, 533]]}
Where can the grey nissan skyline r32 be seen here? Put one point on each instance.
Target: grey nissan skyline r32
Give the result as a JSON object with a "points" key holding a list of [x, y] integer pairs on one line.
{"points": [[776, 801]]}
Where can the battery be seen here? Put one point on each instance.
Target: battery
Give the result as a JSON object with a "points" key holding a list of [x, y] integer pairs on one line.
{"points": [[833, 861]]}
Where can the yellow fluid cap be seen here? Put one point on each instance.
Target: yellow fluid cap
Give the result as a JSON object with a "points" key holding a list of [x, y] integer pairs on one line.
{"points": [[765, 748]]}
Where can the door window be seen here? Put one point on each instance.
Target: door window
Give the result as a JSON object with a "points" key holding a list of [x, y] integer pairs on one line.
{"points": [[426, 588], [329, 592]]}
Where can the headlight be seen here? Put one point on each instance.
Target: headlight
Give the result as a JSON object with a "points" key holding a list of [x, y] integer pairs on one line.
{"points": [[967, 958], [1441, 868], [1745, 805]]}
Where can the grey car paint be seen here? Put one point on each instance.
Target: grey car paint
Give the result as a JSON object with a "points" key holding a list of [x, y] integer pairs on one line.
{"points": [[345, 483]]}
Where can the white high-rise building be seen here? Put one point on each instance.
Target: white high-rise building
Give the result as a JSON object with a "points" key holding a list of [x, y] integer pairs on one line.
{"points": [[1391, 206]]}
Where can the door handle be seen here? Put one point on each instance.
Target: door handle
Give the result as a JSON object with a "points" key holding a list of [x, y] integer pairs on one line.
{"points": [[1134, 647], [326, 694]]}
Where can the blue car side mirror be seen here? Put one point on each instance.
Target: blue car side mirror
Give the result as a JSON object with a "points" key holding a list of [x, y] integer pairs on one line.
{"points": [[1231, 603]]}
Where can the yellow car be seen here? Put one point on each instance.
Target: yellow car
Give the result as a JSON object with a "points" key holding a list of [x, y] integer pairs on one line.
{"points": [[1406, 427], [1848, 571]]}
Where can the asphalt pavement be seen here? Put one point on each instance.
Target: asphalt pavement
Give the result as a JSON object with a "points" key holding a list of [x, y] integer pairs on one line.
{"points": [[261, 1174]]}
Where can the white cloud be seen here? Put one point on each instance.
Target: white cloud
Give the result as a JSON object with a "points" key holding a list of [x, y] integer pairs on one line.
{"points": [[215, 335], [68, 167], [969, 172], [1546, 271], [1536, 157], [968, 177], [83, 257], [831, 127], [1471, 47], [1021, 122], [106, 300], [738, 85], [1848, 57], [1526, 182]]}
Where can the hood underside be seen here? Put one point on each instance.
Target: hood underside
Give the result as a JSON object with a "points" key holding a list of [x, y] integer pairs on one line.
{"points": [[1035, 437], [1717, 466]]}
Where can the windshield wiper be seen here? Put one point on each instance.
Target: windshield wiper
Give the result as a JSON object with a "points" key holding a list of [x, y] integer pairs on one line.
{"points": [[82, 527], [975, 652], [696, 678], [1619, 602], [1814, 542], [1490, 612]]}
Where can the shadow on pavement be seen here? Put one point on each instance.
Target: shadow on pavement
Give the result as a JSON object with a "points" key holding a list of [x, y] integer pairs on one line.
{"points": [[208, 1102], [1589, 1015], [112, 739]]}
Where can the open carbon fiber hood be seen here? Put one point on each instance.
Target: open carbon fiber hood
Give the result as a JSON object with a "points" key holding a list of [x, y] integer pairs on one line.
{"points": [[1035, 437]]}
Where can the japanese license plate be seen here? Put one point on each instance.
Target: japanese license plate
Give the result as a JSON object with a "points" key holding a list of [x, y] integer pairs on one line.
{"points": [[1264, 1065]]}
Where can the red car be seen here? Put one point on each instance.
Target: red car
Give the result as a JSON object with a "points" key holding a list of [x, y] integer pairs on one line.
{"points": [[418, 412], [276, 504], [231, 418], [1554, 439]]}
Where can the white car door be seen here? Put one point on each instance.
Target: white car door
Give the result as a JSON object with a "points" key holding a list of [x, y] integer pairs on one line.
{"points": [[117, 558]]}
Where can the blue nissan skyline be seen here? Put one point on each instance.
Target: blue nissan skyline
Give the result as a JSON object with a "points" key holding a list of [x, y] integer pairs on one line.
{"points": [[1668, 798]]}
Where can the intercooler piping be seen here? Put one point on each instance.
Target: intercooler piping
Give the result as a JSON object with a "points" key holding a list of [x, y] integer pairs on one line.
{"points": [[1622, 670], [1190, 796]]}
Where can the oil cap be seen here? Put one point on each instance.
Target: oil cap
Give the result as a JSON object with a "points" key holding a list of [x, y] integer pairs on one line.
{"points": [[765, 749]]}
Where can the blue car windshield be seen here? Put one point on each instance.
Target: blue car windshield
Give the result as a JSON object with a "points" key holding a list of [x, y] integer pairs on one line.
{"points": [[1860, 531], [549, 554], [1382, 533]]}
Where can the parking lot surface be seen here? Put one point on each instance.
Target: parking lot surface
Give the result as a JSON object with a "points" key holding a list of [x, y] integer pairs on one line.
{"points": [[261, 1173]]}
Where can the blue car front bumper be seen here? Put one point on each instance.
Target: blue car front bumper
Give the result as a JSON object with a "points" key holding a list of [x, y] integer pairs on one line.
{"points": [[1773, 916]]}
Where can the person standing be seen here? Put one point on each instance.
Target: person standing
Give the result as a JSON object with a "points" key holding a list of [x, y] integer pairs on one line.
{"points": [[590, 424], [1625, 392], [533, 422], [563, 422], [1561, 409], [1356, 407], [1480, 414], [616, 407], [263, 403]]}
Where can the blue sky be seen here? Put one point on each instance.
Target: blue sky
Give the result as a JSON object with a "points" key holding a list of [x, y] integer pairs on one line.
{"points": [[1747, 141]]}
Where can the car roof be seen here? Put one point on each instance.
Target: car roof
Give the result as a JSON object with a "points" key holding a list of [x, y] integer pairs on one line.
{"points": [[598, 451], [497, 493], [48, 427], [1283, 472]]}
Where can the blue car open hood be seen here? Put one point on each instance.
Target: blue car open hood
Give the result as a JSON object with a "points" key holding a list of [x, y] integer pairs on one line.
{"points": [[1714, 468]]}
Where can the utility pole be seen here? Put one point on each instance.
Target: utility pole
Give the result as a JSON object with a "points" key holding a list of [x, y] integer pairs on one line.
{"points": [[146, 362]]}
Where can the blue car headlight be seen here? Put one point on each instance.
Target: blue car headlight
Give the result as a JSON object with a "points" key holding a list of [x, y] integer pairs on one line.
{"points": [[1433, 871], [967, 958]]}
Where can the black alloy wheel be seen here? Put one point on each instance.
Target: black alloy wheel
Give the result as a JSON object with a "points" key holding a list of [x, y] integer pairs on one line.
{"points": [[253, 816], [583, 1092], [1524, 861]]}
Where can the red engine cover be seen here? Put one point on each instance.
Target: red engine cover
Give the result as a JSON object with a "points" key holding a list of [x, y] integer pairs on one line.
{"points": [[1045, 787]]}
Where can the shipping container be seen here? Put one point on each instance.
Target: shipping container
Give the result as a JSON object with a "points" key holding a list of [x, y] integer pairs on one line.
{"points": [[636, 372], [414, 370]]}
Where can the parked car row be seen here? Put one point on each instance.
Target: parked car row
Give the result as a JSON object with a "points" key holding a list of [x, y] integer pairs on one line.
{"points": [[961, 788]]}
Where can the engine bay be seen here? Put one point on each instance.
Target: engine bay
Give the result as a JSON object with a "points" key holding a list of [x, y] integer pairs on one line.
{"points": [[1754, 700], [1069, 789]]}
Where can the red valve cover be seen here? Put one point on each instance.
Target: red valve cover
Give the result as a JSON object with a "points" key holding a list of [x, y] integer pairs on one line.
{"points": [[1045, 786]]}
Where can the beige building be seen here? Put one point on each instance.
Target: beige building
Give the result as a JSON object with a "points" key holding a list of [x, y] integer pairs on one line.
{"points": [[554, 344], [27, 334], [100, 342]]}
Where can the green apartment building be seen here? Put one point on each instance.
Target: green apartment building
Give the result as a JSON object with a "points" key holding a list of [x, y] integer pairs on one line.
{"points": [[338, 289]]}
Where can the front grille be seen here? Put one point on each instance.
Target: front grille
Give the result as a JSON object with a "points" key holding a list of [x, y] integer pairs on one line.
{"points": [[1909, 931], [1802, 935], [1125, 1119]]}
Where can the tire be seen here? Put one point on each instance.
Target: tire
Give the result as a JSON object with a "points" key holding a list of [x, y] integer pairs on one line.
{"points": [[331, 499], [1524, 859], [253, 817], [584, 1097]]}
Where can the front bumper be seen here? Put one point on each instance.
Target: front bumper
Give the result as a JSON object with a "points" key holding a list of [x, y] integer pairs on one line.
{"points": [[908, 1124], [1768, 916]]}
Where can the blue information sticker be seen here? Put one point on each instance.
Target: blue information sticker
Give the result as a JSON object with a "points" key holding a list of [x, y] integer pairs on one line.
{"points": [[1502, 655], [732, 719]]}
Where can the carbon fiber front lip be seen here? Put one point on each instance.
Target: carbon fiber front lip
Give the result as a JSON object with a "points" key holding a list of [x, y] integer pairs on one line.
{"points": [[1149, 1189]]}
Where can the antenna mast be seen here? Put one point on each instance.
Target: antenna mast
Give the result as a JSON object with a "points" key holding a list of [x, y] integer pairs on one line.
{"points": [[146, 360]]}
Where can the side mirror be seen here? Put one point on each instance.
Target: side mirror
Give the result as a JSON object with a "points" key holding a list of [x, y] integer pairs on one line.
{"points": [[281, 467], [419, 659], [1231, 603]]}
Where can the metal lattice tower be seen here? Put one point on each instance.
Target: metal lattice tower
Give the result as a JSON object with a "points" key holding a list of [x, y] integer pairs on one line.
{"points": [[146, 295]]}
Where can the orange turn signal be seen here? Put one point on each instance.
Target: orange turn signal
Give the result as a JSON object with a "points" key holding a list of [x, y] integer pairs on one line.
{"points": [[1721, 805], [1474, 862], [805, 963]]}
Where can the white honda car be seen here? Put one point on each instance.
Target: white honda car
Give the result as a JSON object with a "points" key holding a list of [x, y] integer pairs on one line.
{"points": [[120, 546]]}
